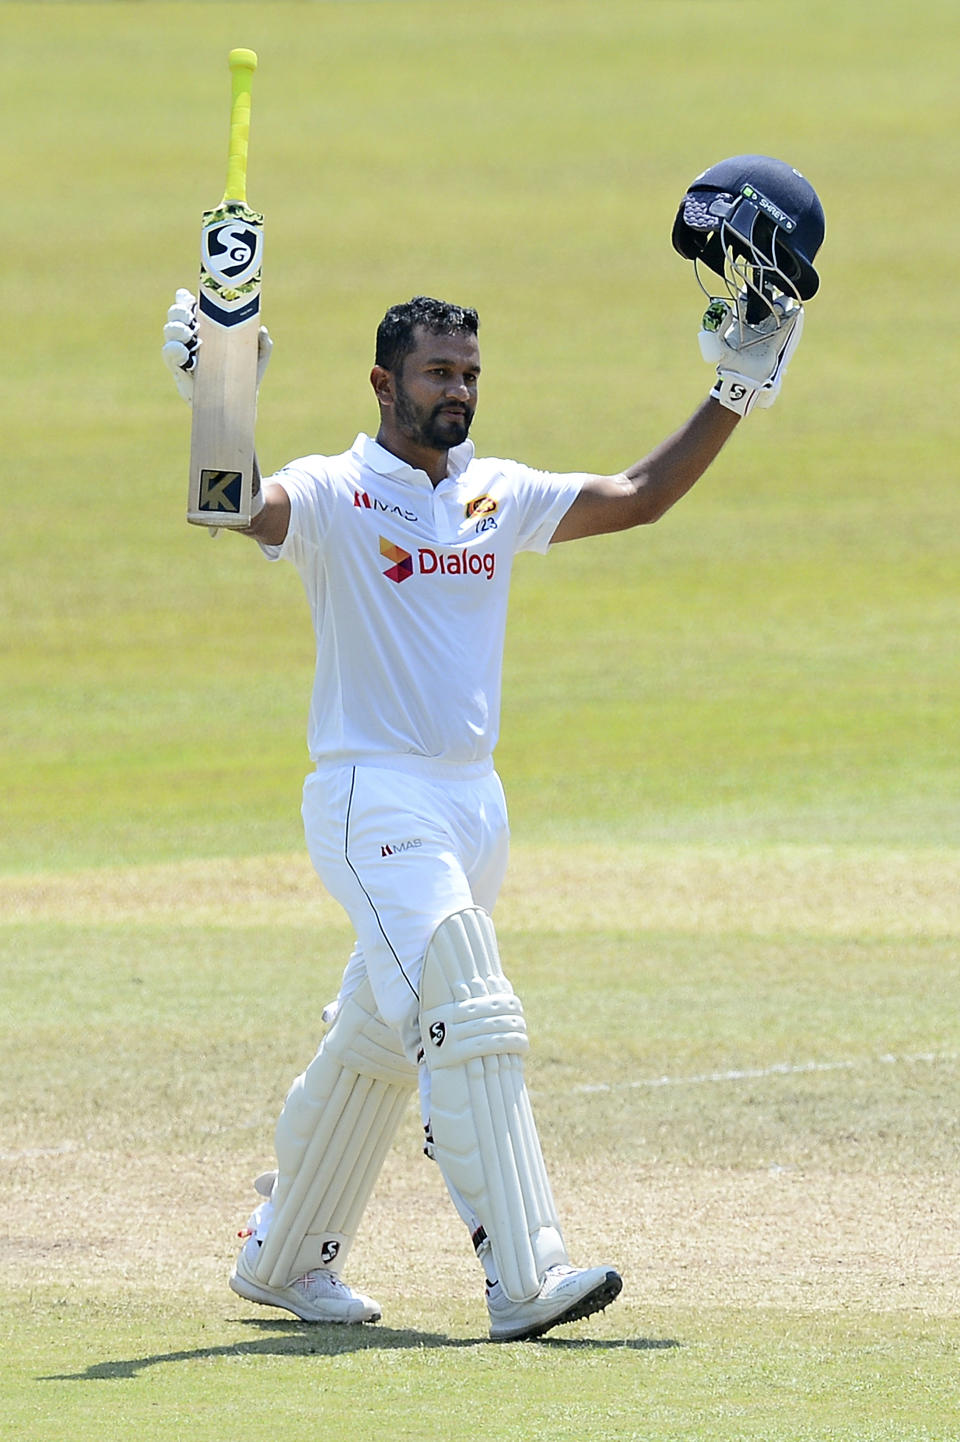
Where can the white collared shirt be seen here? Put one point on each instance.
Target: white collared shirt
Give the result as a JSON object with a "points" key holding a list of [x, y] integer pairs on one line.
{"points": [[408, 587]]}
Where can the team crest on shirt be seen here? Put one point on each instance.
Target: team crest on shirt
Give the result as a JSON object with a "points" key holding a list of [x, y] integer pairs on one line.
{"points": [[480, 506]]}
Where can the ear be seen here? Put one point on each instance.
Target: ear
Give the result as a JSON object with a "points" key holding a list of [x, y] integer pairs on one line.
{"points": [[382, 381]]}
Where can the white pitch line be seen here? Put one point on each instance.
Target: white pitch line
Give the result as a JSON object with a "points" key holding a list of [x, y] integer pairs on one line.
{"points": [[780, 1068], [28, 1153]]}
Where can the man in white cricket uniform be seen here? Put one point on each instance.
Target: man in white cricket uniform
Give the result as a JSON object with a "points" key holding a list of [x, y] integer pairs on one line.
{"points": [[408, 584], [405, 545]]}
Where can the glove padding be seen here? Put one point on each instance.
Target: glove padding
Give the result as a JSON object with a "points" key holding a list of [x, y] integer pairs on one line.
{"points": [[751, 360], [180, 344]]}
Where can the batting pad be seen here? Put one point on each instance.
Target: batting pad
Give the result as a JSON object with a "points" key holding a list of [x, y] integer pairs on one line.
{"points": [[485, 1140], [333, 1134]]}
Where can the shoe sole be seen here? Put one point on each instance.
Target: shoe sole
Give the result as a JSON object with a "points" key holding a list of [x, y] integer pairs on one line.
{"points": [[265, 1298], [595, 1300]]}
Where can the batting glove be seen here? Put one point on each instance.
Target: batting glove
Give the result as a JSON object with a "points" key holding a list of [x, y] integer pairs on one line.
{"points": [[180, 344], [751, 360]]}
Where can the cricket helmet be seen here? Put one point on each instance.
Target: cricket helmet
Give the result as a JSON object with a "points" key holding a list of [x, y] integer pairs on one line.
{"points": [[756, 222]]}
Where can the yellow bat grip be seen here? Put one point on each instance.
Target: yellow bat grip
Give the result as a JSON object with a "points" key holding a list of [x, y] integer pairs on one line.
{"points": [[242, 65]]}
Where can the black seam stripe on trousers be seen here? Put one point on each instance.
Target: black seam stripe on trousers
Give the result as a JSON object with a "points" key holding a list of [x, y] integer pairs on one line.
{"points": [[346, 857]]}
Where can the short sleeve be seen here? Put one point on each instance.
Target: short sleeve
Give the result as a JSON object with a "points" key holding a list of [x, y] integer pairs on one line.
{"points": [[543, 498], [306, 483]]}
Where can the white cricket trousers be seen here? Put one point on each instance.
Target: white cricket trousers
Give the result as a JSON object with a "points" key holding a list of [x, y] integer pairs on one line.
{"points": [[401, 850]]}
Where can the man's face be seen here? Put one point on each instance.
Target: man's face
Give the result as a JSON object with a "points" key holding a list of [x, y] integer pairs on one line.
{"points": [[435, 390]]}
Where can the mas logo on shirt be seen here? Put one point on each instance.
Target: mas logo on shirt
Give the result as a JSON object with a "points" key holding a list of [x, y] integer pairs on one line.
{"points": [[363, 501], [429, 562]]}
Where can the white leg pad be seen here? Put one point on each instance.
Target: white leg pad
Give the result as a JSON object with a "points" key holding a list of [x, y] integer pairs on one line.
{"points": [[333, 1134], [484, 1136]]}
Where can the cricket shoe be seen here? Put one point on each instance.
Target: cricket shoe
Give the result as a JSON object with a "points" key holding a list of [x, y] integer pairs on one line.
{"points": [[315, 1297], [566, 1294]]}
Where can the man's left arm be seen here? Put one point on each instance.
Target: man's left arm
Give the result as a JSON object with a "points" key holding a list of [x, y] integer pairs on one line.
{"points": [[751, 362], [642, 494]]}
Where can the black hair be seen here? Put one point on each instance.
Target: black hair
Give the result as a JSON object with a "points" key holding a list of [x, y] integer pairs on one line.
{"points": [[396, 332]]}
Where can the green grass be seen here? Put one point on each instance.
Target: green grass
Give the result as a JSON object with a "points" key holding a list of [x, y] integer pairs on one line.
{"points": [[729, 743], [221, 1379], [746, 1087], [813, 573]]}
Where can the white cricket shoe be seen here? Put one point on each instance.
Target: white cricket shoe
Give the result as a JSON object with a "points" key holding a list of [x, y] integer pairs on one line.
{"points": [[316, 1297], [566, 1294]]}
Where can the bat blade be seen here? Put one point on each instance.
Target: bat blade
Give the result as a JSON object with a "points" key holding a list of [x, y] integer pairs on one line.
{"points": [[228, 324]]}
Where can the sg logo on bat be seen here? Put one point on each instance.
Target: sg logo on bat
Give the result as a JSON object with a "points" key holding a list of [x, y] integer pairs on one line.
{"points": [[232, 252]]}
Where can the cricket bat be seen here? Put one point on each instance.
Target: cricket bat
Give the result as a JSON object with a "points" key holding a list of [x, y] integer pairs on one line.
{"points": [[228, 324]]}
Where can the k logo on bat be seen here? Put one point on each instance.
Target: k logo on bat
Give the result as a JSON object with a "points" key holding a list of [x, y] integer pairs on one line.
{"points": [[220, 490]]}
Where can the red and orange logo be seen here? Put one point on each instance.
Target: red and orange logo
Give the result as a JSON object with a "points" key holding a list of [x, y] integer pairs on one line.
{"points": [[402, 561]]}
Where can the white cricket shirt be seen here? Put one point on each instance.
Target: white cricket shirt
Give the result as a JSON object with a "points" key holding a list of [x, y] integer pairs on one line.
{"points": [[408, 587]]}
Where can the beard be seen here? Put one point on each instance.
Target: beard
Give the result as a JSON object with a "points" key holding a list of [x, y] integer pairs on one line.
{"points": [[434, 428]]}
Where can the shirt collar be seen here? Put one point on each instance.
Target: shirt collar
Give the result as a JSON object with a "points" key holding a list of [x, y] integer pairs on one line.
{"points": [[385, 463]]}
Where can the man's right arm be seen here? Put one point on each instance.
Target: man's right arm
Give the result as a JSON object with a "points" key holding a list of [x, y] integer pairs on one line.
{"points": [[271, 523]]}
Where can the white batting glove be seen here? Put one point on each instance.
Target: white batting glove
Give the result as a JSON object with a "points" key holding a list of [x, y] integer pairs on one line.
{"points": [[180, 344], [751, 360], [264, 351]]}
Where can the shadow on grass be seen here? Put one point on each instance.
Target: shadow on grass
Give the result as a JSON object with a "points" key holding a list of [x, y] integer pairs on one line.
{"points": [[299, 1339]]}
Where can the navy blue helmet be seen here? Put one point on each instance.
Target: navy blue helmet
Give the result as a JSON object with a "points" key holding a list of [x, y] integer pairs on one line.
{"points": [[759, 218]]}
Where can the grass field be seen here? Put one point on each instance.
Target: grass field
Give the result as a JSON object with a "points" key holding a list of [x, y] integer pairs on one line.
{"points": [[729, 743]]}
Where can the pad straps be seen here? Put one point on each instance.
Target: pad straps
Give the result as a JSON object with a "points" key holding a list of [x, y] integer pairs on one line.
{"points": [[485, 1139]]}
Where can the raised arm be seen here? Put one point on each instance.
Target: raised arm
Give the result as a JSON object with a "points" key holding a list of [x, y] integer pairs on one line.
{"points": [[757, 223], [644, 492], [751, 362], [271, 520]]}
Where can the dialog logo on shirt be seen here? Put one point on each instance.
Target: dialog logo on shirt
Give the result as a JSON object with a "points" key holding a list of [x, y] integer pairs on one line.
{"points": [[436, 563], [456, 563], [402, 560]]}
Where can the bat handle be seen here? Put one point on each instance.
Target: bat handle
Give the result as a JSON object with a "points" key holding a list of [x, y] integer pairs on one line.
{"points": [[242, 65]]}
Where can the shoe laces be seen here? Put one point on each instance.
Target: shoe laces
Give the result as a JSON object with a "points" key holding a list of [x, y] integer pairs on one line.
{"points": [[329, 1281]]}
